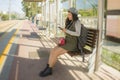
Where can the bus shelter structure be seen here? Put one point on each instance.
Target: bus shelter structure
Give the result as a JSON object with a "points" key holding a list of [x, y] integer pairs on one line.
{"points": [[46, 17]]}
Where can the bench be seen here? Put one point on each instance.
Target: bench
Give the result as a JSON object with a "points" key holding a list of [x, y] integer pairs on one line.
{"points": [[90, 44]]}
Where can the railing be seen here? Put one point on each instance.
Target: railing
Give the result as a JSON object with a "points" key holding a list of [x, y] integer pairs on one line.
{"points": [[53, 30], [90, 22]]}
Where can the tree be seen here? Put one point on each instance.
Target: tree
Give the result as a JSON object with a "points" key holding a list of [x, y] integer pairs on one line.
{"points": [[94, 7], [31, 8], [25, 8], [91, 11], [63, 1]]}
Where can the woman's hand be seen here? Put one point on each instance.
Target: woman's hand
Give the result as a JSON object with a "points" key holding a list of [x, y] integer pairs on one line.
{"points": [[64, 30]]}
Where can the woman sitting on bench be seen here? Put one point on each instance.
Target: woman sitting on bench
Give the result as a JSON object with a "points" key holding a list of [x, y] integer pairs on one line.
{"points": [[72, 31]]}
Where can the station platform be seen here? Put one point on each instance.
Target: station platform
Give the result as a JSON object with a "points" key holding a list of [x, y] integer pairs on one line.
{"points": [[27, 53]]}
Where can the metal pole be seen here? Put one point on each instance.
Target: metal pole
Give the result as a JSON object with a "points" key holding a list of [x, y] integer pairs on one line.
{"points": [[100, 28], [56, 16], [49, 18], [44, 11], [9, 9], [84, 4], [70, 3], [74, 3]]}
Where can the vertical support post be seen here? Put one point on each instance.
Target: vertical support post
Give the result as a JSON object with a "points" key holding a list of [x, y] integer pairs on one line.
{"points": [[72, 3], [95, 57], [100, 28], [9, 9], [49, 18], [44, 12], [56, 6]]}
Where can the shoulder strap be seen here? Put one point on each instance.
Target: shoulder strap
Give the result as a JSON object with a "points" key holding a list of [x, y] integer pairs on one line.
{"points": [[69, 25]]}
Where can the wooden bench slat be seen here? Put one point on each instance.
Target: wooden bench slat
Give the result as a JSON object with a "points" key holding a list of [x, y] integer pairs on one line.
{"points": [[90, 42], [91, 32], [91, 39], [90, 45], [91, 35], [86, 51]]}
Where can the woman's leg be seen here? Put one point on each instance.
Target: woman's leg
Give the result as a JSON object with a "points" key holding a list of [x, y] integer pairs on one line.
{"points": [[54, 54]]}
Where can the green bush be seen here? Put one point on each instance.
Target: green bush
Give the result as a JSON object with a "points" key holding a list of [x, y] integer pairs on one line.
{"points": [[111, 58], [4, 17], [13, 16], [86, 13]]}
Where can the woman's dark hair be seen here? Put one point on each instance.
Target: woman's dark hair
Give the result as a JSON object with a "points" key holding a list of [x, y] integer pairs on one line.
{"points": [[75, 18]]}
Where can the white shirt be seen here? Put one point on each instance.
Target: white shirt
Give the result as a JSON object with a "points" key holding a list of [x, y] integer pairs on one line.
{"points": [[38, 16]]}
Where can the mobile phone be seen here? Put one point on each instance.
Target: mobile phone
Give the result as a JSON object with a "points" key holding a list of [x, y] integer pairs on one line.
{"points": [[60, 28]]}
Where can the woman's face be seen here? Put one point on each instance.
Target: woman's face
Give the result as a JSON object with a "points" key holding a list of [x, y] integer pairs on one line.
{"points": [[70, 16]]}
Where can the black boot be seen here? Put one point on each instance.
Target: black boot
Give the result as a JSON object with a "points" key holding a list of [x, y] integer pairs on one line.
{"points": [[44, 69], [47, 71]]}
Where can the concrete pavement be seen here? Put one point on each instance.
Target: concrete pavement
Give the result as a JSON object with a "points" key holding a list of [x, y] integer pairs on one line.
{"points": [[29, 54]]}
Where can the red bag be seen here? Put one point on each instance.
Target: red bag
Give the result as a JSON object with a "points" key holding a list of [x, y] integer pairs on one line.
{"points": [[61, 41]]}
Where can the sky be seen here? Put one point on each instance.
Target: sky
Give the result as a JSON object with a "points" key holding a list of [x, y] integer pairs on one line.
{"points": [[16, 6], [80, 4]]}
